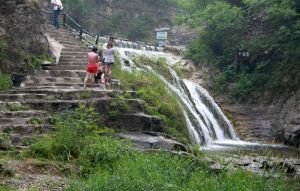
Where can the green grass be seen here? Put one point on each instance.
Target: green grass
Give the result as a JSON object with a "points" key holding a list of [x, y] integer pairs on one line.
{"points": [[15, 106], [5, 82], [3, 188], [168, 172], [158, 65], [85, 95], [182, 73], [105, 163], [37, 121]]}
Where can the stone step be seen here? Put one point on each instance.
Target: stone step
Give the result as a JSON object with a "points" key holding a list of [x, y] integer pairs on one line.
{"points": [[65, 67], [62, 39], [72, 63], [75, 57], [137, 122], [72, 59], [63, 36], [79, 59], [50, 87], [70, 94], [71, 53], [59, 73], [23, 141], [70, 42], [59, 32], [21, 97], [102, 104], [50, 91], [54, 85], [25, 129], [45, 80], [23, 114], [81, 46], [23, 120], [67, 37], [73, 49]]}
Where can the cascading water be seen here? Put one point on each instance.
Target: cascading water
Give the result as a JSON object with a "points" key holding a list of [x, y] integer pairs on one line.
{"points": [[205, 120]]}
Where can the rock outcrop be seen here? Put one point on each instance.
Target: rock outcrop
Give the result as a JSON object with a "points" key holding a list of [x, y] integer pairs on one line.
{"points": [[277, 121], [21, 34]]}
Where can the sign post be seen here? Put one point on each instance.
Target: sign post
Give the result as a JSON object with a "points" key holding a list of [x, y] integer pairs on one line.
{"points": [[162, 36]]}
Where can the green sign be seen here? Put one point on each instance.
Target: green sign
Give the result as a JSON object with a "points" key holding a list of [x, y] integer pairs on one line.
{"points": [[161, 35]]}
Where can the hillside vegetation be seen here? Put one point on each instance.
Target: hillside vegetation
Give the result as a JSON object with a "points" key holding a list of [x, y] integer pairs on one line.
{"points": [[268, 29], [135, 19]]}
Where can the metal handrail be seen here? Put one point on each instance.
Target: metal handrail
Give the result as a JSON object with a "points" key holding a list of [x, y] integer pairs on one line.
{"points": [[75, 27], [70, 18]]}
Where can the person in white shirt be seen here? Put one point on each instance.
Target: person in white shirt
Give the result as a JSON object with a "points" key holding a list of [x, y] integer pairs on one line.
{"points": [[57, 7], [109, 59]]}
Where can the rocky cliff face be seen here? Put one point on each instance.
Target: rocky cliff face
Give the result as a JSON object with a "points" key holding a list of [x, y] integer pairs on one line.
{"points": [[263, 118], [21, 34], [278, 121]]}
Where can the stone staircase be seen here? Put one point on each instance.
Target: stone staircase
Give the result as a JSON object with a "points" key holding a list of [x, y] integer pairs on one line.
{"points": [[25, 111]]}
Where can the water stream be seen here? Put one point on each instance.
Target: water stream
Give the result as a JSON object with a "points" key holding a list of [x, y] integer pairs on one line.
{"points": [[207, 125], [205, 120]]}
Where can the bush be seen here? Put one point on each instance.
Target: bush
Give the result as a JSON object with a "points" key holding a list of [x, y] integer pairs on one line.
{"points": [[273, 43], [69, 140], [5, 82], [102, 152]]}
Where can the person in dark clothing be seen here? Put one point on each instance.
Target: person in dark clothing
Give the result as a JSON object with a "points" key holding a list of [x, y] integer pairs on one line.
{"points": [[57, 7]]}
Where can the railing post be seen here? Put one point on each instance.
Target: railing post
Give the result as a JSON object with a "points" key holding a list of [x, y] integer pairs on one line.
{"points": [[97, 39], [64, 20], [80, 33]]}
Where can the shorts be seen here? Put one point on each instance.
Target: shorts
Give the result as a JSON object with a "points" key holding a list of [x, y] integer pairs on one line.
{"points": [[92, 68], [108, 63]]}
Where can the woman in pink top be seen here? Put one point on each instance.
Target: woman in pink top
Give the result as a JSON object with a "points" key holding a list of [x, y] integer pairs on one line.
{"points": [[92, 67]]}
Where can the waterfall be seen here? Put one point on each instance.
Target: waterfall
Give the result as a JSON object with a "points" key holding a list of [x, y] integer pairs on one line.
{"points": [[204, 118]]}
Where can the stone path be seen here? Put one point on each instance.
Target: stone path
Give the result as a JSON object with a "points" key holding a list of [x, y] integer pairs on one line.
{"points": [[25, 111]]}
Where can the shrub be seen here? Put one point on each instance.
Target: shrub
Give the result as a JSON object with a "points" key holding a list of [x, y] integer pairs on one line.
{"points": [[273, 43], [5, 82], [69, 140], [102, 152]]}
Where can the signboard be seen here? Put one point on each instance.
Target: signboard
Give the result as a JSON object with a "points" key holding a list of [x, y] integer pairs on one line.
{"points": [[161, 35]]}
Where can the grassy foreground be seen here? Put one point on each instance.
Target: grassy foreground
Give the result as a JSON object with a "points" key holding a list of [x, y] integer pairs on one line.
{"points": [[104, 163]]}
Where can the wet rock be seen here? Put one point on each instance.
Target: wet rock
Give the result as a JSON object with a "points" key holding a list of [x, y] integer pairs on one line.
{"points": [[173, 50], [20, 1], [137, 122], [272, 166], [292, 134], [265, 165], [286, 167], [152, 140]]}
